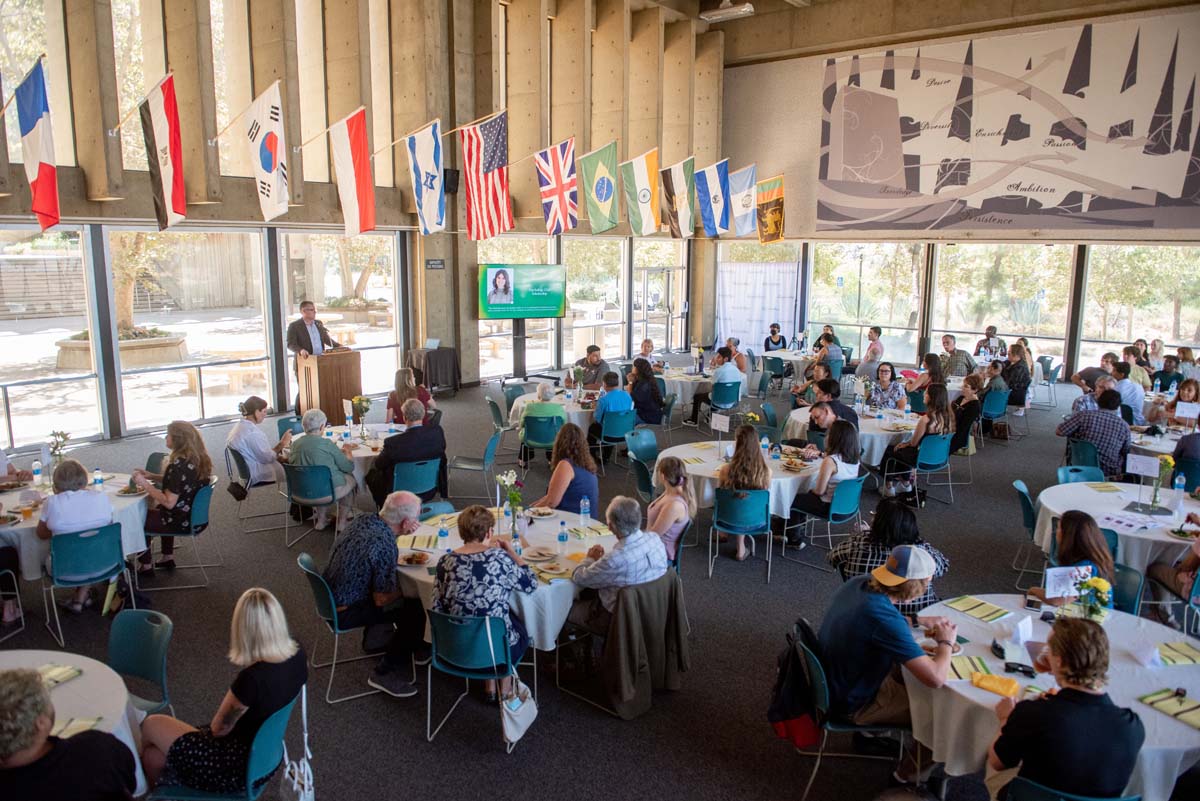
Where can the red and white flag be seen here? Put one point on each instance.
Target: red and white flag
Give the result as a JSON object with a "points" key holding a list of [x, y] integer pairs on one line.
{"points": [[355, 179], [164, 152], [485, 171], [37, 145]]}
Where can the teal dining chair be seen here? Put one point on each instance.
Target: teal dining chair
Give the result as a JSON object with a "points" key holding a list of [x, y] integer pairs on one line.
{"points": [[197, 525], [137, 647], [1028, 548], [417, 477], [740, 513], [1022, 789], [88, 557]]}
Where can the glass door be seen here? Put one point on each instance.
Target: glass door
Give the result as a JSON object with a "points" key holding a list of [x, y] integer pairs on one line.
{"points": [[652, 307]]}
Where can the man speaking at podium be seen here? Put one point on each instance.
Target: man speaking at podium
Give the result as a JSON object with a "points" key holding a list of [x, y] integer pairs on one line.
{"points": [[307, 336]]}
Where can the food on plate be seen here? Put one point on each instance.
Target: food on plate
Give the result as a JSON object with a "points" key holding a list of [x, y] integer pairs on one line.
{"points": [[930, 647], [415, 558], [127, 490], [793, 464], [7, 486], [539, 511]]}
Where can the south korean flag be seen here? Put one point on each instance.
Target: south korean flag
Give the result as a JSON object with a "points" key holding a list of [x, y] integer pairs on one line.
{"points": [[268, 152]]}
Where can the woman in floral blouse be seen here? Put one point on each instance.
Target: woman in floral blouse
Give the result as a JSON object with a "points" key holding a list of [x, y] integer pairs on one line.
{"points": [[188, 469], [478, 578], [894, 524], [888, 393]]}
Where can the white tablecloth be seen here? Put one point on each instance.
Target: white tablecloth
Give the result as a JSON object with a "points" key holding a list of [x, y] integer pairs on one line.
{"points": [[33, 552], [785, 485], [97, 692], [364, 451], [873, 439], [958, 723], [1155, 446], [684, 386], [1136, 549], [576, 415], [545, 610]]}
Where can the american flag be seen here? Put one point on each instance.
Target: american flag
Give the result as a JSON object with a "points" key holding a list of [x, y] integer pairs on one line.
{"points": [[556, 177], [485, 163]]}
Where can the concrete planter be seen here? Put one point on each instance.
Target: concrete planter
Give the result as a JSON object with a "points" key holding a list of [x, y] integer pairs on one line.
{"points": [[75, 354], [351, 314]]}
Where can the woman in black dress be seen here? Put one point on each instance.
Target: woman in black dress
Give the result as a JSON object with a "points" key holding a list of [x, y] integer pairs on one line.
{"points": [[188, 469], [647, 400], [213, 758]]}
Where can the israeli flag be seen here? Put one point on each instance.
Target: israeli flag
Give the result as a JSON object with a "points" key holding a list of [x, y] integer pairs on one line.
{"points": [[425, 168], [712, 196], [741, 198]]}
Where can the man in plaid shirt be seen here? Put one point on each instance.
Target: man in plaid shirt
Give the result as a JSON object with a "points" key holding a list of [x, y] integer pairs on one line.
{"points": [[638, 557], [1105, 429], [955, 361]]}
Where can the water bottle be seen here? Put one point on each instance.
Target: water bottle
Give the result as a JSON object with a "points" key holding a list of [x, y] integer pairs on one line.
{"points": [[443, 539], [561, 545], [329, 433], [391, 426], [764, 444], [98, 478], [508, 520], [1180, 485], [1157, 386], [568, 395], [776, 452], [37, 474], [585, 512], [349, 425]]}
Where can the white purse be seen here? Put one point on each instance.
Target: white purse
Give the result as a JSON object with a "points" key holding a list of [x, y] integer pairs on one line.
{"points": [[518, 710], [297, 781]]}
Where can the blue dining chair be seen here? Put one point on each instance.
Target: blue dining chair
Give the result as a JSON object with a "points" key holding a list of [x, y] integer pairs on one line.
{"points": [[485, 466], [613, 429], [1083, 453], [197, 525], [1127, 589], [843, 508], [916, 401], [1022, 789], [137, 647], [286, 424], [239, 473], [643, 445], [1029, 548], [417, 477], [539, 433], [741, 513], [436, 508], [933, 457], [645, 484], [90, 557], [311, 486], [725, 395], [1070, 474]]}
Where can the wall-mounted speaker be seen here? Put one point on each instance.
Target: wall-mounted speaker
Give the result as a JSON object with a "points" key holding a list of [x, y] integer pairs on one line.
{"points": [[450, 181]]}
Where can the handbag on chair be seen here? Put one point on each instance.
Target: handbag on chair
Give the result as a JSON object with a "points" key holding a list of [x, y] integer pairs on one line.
{"points": [[297, 781], [518, 710]]}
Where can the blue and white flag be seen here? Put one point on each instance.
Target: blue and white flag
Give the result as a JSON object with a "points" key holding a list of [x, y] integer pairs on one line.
{"points": [[425, 168], [712, 196], [742, 201]]}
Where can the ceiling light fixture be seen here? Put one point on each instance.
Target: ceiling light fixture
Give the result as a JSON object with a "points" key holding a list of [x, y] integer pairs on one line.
{"points": [[727, 11]]}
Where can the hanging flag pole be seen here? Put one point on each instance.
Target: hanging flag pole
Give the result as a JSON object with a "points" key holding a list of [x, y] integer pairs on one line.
{"points": [[138, 104], [395, 142], [475, 122], [317, 136], [212, 142], [531, 155], [13, 96]]}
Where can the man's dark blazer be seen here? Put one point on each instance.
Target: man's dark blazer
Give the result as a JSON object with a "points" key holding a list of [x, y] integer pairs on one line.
{"points": [[298, 338], [417, 444]]}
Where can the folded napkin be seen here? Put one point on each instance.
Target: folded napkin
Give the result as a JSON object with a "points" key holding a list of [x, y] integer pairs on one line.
{"points": [[963, 667], [72, 726], [980, 610], [546, 577], [693, 460], [1103, 486], [1000, 685], [1177, 705], [54, 675], [703, 446], [1178, 653], [417, 541], [598, 530]]}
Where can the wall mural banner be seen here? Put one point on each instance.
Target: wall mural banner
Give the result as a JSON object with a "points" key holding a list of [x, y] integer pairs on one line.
{"points": [[1078, 127]]}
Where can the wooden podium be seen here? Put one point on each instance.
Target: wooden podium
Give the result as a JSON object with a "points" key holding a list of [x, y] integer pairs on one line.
{"points": [[328, 379]]}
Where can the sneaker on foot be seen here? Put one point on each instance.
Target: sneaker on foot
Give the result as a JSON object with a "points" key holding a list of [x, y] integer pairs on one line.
{"points": [[691, 423], [392, 683], [1018, 412], [904, 488], [888, 491]]}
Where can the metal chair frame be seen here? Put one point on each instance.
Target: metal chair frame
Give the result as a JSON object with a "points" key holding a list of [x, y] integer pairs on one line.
{"points": [[20, 606], [238, 471], [116, 568], [739, 498], [199, 519]]}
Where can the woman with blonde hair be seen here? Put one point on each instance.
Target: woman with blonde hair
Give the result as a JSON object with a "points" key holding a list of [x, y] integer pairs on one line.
{"points": [[669, 514], [1187, 364], [407, 386], [188, 469], [213, 758], [572, 473], [746, 470], [1156, 353]]}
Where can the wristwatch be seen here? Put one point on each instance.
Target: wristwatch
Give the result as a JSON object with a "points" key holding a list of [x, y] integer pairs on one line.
{"points": [[947, 643]]}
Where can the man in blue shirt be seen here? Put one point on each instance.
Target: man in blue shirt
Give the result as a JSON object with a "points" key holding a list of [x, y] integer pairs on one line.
{"points": [[614, 399], [724, 371], [1132, 393], [865, 640]]}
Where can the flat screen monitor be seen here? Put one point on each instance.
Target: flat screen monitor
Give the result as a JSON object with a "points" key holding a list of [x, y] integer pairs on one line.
{"points": [[522, 291]]}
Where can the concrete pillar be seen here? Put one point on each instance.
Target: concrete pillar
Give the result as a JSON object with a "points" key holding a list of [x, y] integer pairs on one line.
{"points": [[707, 98], [347, 59], [645, 81], [273, 56], [610, 76], [679, 57], [93, 80], [571, 68], [60, 86], [373, 31], [463, 96], [239, 85], [314, 116], [527, 92], [189, 53]]}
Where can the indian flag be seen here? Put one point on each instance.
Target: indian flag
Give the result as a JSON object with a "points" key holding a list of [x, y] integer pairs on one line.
{"points": [[640, 177]]}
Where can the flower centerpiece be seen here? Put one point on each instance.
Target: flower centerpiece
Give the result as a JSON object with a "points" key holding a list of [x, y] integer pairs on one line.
{"points": [[752, 418], [577, 377], [361, 405], [698, 355], [511, 486], [58, 446], [1166, 467], [1094, 594]]}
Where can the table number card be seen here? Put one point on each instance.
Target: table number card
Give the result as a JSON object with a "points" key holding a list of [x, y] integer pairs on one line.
{"points": [[348, 407], [720, 422], [1140, 465], [1189, 411]]}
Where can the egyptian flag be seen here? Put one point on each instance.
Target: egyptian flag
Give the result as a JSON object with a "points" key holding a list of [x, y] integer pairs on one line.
{"points": [[352, 165], [164, 152], [37, 145]]}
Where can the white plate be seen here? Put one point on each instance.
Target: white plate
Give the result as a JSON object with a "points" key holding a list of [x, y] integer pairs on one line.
{"points": [[539, 511], [539, 555], [10, 520], [553, 569], [137, 494]]}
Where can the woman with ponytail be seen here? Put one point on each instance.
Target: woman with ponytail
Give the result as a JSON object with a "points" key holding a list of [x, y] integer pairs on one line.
{"points": [[249, 440], [670, 513]]}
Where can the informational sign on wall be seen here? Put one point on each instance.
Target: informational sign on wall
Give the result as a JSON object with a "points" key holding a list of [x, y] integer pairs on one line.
{"points": [[1077, 126]]}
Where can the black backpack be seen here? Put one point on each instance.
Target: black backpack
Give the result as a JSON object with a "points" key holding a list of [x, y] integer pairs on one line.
{"points": [[791, 711]]}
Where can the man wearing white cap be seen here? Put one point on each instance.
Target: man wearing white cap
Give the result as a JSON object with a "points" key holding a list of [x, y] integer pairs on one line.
{"points": [[865, 640]]}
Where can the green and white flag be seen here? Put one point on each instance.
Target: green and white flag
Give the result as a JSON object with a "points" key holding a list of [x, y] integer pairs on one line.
{"points": [[598, 176], [679, 190], [640, 179]]}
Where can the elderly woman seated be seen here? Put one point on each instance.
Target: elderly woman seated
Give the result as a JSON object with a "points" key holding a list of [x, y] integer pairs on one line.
{"points": [[314, 448], [73, 508], [544, 406]]}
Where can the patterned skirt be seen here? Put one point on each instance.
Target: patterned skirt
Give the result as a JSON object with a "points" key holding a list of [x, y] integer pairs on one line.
{"points": [[212, 764]]}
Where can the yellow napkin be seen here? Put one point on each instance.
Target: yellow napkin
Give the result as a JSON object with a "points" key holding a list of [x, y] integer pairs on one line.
{"points": [[417, 541], [703, 446], [1000, 685], [1179, 707], [1179, 653], [980, 610], [577, 557], [1103, 486], [963, 667]]}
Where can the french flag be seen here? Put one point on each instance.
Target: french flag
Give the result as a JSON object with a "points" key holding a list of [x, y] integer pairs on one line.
{"points": [[352, 165], [37, 145]]}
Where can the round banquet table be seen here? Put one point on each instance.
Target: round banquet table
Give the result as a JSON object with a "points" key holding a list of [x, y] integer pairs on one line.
{"points": [[1156, 446], [579, 416], [545, 610], [785, 484], [98, 692], [684, 386], [874, 434], [364, 451], [798, 359], [958, 724], [129, 511], [1136, 549]]}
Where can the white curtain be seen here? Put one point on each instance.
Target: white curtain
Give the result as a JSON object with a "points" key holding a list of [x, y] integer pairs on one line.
{"points": [[751, 296]]}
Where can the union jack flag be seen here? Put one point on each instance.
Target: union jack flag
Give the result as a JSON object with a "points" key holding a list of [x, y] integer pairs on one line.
{"points": [[556, 177], [485, 169]]}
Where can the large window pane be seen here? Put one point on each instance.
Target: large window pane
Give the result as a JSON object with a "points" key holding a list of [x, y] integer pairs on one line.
{"points": [[495, 336], [1023, 290], [858, 285], [659, 292], [353, 282], [183, 298], [231, 74], [1151, 292], [26, 31], [595, 296], [133, 72], [44, 335]]}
